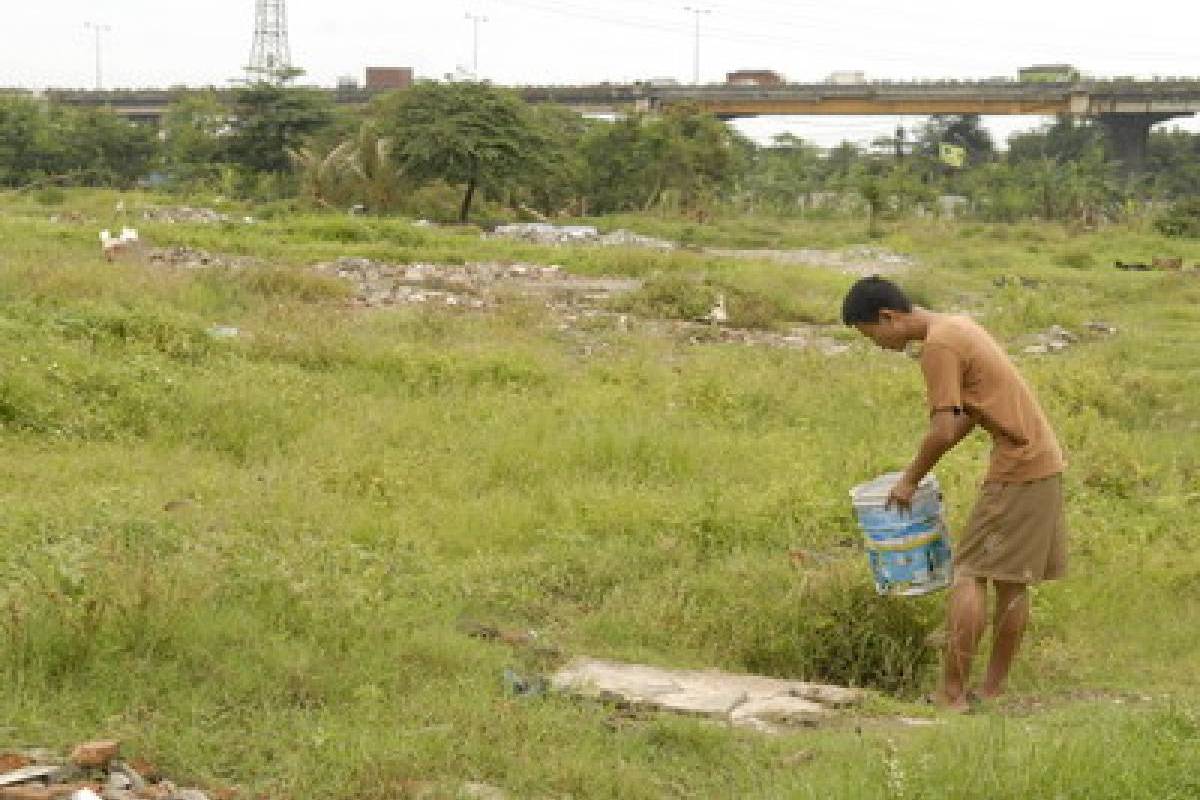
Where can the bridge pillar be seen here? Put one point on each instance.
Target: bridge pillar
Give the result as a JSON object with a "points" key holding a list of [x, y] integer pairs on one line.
{"points": [[1129, 135]]}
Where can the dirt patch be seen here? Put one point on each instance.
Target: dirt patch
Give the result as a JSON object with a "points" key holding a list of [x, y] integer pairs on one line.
{"points": [[580, 305]]}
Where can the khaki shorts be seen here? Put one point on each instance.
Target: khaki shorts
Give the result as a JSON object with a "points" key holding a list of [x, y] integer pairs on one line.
{"points": [[1017, 532]]}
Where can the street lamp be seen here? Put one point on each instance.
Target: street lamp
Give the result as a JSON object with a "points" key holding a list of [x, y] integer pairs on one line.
{"points": [[696, 52], [475, 20], [98, 28]]}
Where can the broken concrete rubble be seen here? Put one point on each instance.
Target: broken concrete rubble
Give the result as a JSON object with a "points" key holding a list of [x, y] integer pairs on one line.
{"points": [[577, 301], [191, 258], [476, 285], [858, 261], [91, 772], [1056, 338], [545, 233], [752, 701], [184, 214]]}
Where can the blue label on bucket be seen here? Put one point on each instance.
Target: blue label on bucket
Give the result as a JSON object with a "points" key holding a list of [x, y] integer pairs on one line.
{"points": [[908, 551]]}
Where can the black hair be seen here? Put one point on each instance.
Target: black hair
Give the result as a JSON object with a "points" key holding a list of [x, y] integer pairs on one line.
{"points": [[868, 296]]}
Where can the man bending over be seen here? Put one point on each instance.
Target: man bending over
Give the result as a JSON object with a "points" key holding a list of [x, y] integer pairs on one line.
{"points": [[1016, 534]]}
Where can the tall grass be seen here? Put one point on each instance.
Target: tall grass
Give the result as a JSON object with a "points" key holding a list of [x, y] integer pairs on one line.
{"points": [[252, 558]]}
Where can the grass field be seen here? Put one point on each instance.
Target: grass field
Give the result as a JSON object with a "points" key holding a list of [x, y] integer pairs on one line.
{"points": [[252, 559]]}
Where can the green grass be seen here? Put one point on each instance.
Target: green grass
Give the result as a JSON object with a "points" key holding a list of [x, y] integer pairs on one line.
{"points": [[347, 488]]}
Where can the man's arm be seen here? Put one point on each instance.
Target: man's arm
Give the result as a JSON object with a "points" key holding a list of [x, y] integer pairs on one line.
{"points": [[947, 428]]}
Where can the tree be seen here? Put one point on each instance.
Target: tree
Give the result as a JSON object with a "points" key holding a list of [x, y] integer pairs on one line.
{"points": [[25, 143], [193, 128], [104, 149], [268, 120], [556, 181], [467, 133], [963, 130], [783, 173], [323, 171], [1173, 164], [684, 158], [1063, 140], [93, 146]]}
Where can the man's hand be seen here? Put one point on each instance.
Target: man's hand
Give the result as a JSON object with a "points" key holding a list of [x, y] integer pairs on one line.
{"points": [[901, 494]]}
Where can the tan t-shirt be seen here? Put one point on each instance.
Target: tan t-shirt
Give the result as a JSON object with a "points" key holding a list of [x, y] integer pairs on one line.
{"points": [[966, 369]]}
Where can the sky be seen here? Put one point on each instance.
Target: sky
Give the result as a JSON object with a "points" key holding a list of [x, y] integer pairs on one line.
{"points": [[152, 43]]}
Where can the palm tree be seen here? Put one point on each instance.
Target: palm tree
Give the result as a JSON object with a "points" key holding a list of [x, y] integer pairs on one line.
{"points": [[322, 174], [374, 171]]}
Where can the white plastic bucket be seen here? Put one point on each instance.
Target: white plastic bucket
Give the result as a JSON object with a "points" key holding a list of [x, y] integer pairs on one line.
{"points": [[909, 551]]}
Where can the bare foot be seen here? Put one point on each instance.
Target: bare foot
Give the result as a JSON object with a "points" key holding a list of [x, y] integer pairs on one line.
{"points": [[957, 703]]}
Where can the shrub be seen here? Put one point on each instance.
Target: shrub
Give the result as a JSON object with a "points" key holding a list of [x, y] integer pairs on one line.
{"points": [[1182, 220], [1078, 259]]}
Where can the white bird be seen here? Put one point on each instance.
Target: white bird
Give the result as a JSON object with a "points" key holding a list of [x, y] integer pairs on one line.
{"points": [[112, 245], [719, 314]]}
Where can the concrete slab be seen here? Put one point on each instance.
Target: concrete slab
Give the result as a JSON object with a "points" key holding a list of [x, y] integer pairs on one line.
{"points": [[757, 701]]}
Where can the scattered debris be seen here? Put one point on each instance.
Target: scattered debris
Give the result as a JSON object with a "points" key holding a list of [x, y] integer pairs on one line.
{"points": [[74, 217], [1053, 340], [919, 722], [518, 685], [858, 261], [184, 214], [771, 705], [578, 302], [545, 233], [190, 258], [481, 791], [93, 771], [1158, 264], [719, 314], [1001, 281], [1101, 327], [473, 286]]}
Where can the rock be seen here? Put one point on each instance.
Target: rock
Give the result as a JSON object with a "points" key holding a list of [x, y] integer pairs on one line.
{"points": [[184, 214], [123, 776], [481, 791], [188, 794], [760, 702], [11, 761], [85, 794], [95, 754], [117, 794], [118, 780], [772, 713], [1062, 334], [25, 792], [30, 773]]}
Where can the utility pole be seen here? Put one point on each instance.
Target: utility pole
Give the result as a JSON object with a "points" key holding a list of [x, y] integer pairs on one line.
{"points": [[696, 50], [98, 28], [475, 20]]}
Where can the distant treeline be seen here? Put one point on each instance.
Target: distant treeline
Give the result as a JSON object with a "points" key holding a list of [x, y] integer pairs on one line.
{"points": [[441, 149]]}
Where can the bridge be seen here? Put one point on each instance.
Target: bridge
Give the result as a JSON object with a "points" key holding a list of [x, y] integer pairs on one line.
{"points": [[1127, 108]]}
